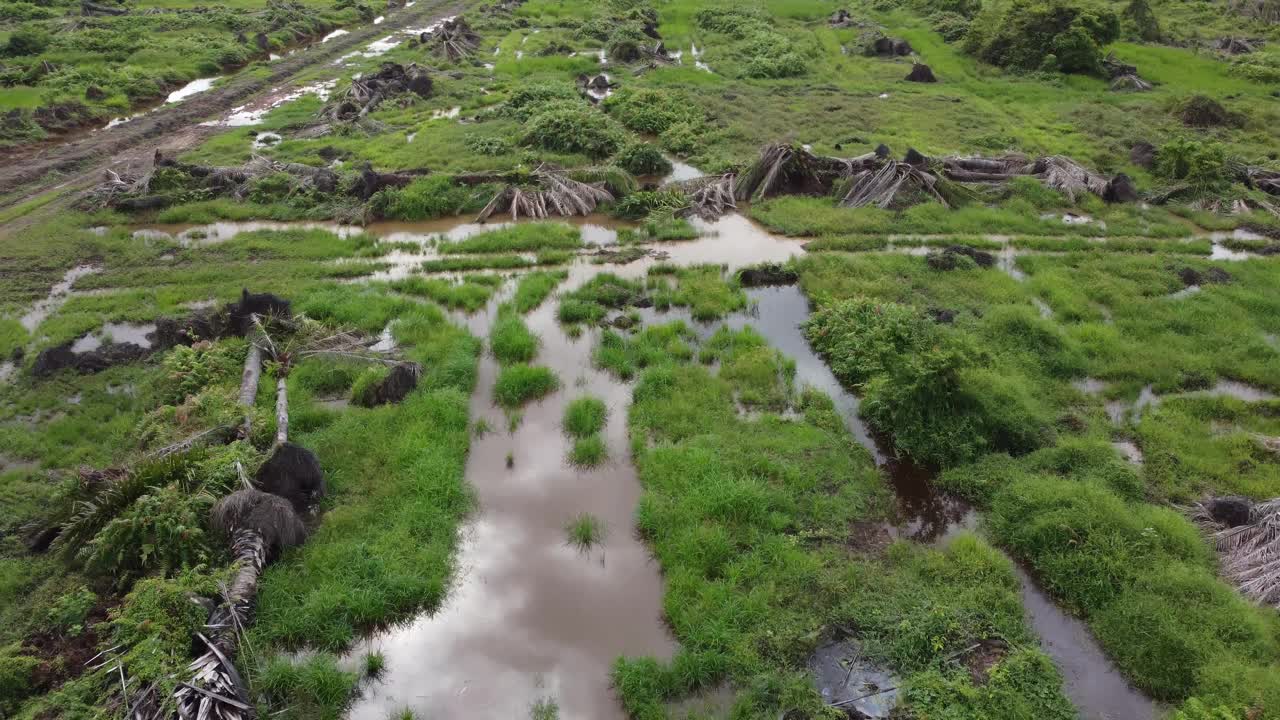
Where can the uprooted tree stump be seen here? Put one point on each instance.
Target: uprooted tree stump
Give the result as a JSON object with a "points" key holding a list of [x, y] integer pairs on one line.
{"points": [[401, 380], [921, 73], [366, 93], [293, 473]]}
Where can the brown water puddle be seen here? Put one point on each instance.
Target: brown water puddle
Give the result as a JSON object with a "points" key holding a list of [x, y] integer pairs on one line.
{"points": [[529, 616]]}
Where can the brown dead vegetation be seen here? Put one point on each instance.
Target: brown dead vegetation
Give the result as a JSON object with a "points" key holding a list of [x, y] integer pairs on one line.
{"points": [[1248, 543], [555, 193], [453, 40], [365, 94]]}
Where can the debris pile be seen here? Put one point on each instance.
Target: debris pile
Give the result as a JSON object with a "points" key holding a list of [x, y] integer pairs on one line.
{"points": [[1247, 536], [555, 194], [892, 185], [366, 93], [1201, 111], [453, 40], [711, 196], [1231, 45], [1056, 171]]}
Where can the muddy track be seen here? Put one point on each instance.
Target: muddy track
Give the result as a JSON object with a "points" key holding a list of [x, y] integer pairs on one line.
{"points": [[28, 171]]}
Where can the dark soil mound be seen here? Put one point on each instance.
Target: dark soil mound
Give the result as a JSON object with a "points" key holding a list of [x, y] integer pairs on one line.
{"points": [[949, 258], [51, 360], [1231, 511], [240, 314], [1120, 189], [1143, 154], [888, 47], [921, 73], [293, 473], [399, 382], [943, 316], [915, 158], [1201, 111], [766, 275], [109, 355], [199, 325], [1214, 275]]}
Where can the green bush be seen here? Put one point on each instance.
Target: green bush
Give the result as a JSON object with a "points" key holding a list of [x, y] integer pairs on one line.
{"points": [[1204, 165], [650, 110], [1022, 35], [518, 384], [861, 337], [572, 127], [16, 671], [188, 370], [529, 100], [27, 40], [67, 615], [641, 158], [488, 145], [1140, 21], [156, 623], [162, 531], [428, 197]]}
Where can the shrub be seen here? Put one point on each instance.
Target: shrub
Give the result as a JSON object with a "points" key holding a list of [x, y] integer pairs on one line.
{"points": [[641, 158], [951, 26], [528, 100], [771, 55], [733, 20], [156, 623], [1023, 35], [682, 138], [518, 384], [1202, 164], [428, 197], [16, 675], [67, 615], [27, 40], [188, 370], [585, 416], [488, 145], [1140, 21], [649, 110], [161, 531], [572, 127], [861, 337]]}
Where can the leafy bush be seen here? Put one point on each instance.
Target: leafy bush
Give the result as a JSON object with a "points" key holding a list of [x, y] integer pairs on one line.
{"points": [[156, 623], [861, 337], [16, 670], [650, 110], [188, 370], [518, 384], [733, 20], [162, 531], [1022, 36], [488, 145], [951, 26], [1140, 21], [770, 55], [682, 138], [67, 615], [428, 197], [572, 127], [27, 40], [1202, 164], [641, 158]]}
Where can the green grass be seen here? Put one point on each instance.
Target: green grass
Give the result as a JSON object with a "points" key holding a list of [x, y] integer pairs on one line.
{"points": [[519, 384], [585, 531], [535, 287], [704, 289], [585, 416], [593, 301], [510, 339], [589, 451], [464, 294], [525, 237], [653, 345]]}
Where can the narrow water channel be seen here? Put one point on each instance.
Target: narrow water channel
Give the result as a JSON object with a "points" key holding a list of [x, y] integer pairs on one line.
{"points": [[531, 618]]}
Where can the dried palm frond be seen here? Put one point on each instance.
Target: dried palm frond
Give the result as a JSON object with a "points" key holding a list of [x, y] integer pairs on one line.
{"points": [[977, 169], [366, 93], [1265, 179], [712, 196], [1251, 551], [884, 186], [1068, 177], [556, 194], [1130, 82]]}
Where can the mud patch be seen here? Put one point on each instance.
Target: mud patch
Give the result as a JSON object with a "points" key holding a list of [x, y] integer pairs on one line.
{"points": [[847, 680], [58, 295]]}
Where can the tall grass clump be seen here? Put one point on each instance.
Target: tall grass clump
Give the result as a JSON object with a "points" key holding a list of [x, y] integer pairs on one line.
{"points": [[510, 339], [585, 416], [584, 531], [519, 384], [524, 237], [535, 287], [589, 451]]}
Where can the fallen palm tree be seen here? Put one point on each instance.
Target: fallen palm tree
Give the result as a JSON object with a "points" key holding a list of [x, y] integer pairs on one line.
{"points": [[710, 197], [893, 184], [1058, 172], [554, 193], [1247, 537], [785, 169], [366, 93], [259, 526], [452, 40]]}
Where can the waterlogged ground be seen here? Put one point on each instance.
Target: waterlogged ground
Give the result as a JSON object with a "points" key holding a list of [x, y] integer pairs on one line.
{"points": [[632, 482]]}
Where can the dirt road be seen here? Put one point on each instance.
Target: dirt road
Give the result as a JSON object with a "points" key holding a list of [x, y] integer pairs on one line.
{"points": [[31, 170]]}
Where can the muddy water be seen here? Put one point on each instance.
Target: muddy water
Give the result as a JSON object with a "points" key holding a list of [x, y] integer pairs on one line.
{"points": [[58, 295], [531, 617]]}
